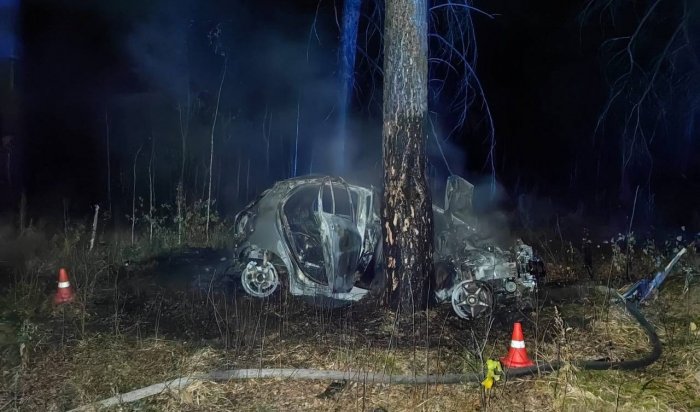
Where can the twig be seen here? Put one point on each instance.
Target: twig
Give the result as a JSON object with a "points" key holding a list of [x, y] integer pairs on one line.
{"points": [[94, 227]]}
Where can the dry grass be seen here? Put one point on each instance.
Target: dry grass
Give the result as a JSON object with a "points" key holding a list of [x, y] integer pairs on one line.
{"points": [[120, 337]]}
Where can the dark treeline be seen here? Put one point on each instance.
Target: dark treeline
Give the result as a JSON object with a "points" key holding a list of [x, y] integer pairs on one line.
{"points": [[103, 90]]}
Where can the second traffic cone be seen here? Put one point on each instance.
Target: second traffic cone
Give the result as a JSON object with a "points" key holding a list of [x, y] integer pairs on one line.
{"points": [[517, 355], [64, 294]]}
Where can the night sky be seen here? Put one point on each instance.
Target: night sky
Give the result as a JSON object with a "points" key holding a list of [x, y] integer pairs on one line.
{"points": [[86, 69]]}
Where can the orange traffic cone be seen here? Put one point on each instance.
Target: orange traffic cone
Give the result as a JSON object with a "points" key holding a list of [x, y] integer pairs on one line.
{"points": [[64, 294], [517, 355]]}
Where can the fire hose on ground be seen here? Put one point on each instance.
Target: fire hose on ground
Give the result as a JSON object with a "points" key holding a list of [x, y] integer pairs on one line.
{"points": [[364, 377]]}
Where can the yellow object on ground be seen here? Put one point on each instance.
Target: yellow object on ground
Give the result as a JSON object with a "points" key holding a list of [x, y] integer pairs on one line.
{"points": [[493, 373]]}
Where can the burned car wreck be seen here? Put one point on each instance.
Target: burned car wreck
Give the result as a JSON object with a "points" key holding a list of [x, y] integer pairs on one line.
{"points": [[322, 235]]}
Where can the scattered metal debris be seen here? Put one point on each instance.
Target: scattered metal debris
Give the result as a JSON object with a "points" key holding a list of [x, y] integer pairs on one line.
{"points": [[644, 289]]}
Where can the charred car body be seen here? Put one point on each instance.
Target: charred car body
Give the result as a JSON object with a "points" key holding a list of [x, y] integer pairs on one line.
{"points": [[323, 236]]}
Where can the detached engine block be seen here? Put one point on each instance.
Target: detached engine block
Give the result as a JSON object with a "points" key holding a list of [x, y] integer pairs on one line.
{"points": [[492, 279], [474, 273]]}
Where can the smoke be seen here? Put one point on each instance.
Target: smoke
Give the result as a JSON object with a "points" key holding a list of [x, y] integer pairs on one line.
{"points": [[159, 49], [279, 110]]}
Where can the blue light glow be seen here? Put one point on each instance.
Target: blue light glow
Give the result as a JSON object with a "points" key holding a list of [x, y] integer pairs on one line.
{"points": [[348, 48], [8, 25]]}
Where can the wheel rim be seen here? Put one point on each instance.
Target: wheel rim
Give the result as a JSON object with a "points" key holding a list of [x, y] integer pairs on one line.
{"points": [[259, 279], [472, 299]]}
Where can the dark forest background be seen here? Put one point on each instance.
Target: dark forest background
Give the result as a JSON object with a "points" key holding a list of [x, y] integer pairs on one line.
{"points": [[100, 89]]}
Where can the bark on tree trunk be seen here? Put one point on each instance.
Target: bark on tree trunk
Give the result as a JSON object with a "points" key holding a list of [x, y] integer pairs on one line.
{"points": [[407, 216]]}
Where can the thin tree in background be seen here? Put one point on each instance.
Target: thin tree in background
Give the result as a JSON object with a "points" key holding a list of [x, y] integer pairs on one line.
{"points": [[133, 197], [651, 66], [180, 192], [109, 166], [215, 39], [151, 190]]}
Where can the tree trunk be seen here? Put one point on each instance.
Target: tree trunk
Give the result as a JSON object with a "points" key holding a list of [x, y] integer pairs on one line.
{"points": [[211, 147], [407, 216]]}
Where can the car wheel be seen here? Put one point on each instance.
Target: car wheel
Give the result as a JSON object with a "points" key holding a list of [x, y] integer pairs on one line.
{"points": [[260, 278]]}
